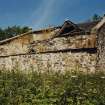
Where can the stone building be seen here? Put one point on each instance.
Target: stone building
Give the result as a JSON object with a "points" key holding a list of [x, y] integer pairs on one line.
{"points": [[67, 36], [59, 48], [21, 43]]}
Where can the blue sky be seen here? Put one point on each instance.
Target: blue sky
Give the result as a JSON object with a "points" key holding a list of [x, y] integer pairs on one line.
{"points": [[42, 13]]}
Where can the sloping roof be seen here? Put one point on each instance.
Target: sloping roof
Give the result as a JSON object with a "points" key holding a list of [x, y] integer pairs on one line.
{"points": [[12, 38], [29, 32], [68, 27], [87, 26]]}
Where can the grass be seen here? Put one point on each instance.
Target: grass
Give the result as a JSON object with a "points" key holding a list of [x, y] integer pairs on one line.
{"points": [[17, 88]]}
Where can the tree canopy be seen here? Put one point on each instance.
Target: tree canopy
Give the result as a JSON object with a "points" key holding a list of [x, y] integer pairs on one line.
{"points": [[96, 17], [12, 31]]}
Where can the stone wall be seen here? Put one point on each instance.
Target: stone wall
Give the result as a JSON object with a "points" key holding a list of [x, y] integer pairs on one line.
{"points": [[65, 61], [15, 46], [50, 52], [21, 44], [44, 35], [66, 42]]}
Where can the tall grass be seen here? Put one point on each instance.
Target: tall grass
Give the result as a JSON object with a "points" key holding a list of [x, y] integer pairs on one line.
{"points": [[17, 88]]}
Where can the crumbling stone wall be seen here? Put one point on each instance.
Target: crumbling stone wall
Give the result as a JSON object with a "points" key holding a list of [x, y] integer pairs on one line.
{"points": [[31, 52], [15, 46], [65, 61], [66, 42], [45, 34], [22, 43], [101, 49]]}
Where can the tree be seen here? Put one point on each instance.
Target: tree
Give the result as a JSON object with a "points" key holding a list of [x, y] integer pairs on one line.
{"points": [[96, 17], [12, 31], [2, 34]]}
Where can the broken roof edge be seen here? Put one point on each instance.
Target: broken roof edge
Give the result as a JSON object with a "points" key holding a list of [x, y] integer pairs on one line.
{"points": [[29, 32], [69, 24], [40, 30], [20, 35]]}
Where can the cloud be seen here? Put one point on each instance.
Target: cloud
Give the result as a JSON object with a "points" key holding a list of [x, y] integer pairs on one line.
{"points": [[46, 11], [42, 14]]}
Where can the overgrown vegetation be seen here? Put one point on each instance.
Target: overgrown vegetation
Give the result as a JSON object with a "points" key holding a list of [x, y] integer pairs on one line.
{"points": [[17, 88]]}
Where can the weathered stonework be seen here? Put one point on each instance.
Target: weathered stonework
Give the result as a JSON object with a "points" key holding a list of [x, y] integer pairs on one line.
{"points": [[16, 46], [64, 48], [61, 43], [67, 61], [21, 44]]}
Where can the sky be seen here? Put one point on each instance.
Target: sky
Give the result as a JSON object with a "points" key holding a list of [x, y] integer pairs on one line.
{"points": [[44, 13]]}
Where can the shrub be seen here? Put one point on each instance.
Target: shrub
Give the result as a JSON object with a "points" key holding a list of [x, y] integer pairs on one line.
{"points": [[17, 88]]}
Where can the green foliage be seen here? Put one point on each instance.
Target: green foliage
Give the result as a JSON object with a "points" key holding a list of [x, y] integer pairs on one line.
{"points": [[96, 17], [17, 88], [12, 31]]}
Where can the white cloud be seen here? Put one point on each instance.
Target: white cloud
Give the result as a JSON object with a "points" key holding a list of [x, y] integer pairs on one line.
{"points": [[42, 13], [46, 11]]}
